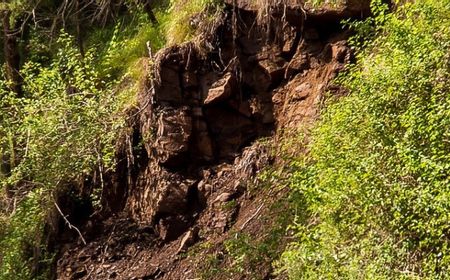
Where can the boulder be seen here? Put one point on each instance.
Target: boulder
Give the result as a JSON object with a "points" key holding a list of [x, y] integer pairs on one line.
{"points": [[158, 193], [274, 68], [221, 89], [170, 197], [173, 130]]}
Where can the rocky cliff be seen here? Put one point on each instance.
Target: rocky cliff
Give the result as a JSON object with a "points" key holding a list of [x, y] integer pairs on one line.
{"points": [[210, 115]]}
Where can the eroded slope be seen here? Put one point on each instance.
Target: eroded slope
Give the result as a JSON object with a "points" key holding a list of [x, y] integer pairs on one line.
{"points": [[187, 167]]}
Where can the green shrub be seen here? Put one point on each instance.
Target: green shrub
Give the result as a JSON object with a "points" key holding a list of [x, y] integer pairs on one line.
{"points": [[375, 184], [21, 241], [64, 130]]}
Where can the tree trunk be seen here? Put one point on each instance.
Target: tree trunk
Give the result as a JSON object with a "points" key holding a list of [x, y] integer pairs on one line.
{"points": [[5, 166], [11, 52], [148, 9], [78, 27]]}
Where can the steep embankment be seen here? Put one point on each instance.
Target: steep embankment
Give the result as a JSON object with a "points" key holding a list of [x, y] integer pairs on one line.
{"points": [[187, 169]]}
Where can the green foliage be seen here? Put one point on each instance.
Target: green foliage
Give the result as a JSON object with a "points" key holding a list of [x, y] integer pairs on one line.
{"points": [[245, 254], [212, 265], [240, 250], [16, 7], [73, 111], [22, 240], [184, 16], [252, 255], [62, 131], [127, 45], [249, 255], [375, 185], [65, 126]]}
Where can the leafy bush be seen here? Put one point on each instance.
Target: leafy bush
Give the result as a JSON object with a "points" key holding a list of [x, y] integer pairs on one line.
{"points": [[66, 122], [375, 184], [22, 240], [62, 131]]}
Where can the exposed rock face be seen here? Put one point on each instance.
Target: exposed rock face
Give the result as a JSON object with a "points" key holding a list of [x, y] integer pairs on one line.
{"points": [[198, 121], [193, 115], [205, 109]]}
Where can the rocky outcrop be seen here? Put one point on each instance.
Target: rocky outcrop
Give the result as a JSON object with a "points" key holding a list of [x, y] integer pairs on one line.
{"points": [[199, 119], [201, 110], [193, 115]]}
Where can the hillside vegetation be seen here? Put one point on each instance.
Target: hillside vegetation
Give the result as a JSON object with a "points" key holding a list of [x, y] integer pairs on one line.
{"points": [[373, 191], [61, 116]]}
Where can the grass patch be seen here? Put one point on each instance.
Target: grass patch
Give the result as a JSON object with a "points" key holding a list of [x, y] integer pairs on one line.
{"points": [[184, 18]]}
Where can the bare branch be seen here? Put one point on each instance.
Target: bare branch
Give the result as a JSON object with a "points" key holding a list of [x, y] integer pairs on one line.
{"points": [[69, 224], [252, 217]]}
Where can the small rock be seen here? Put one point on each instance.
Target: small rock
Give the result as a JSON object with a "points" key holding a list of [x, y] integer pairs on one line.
{"points": [[340, 52], [204, 188], [299, 62], [208, 188], [224, 197], [274, 69], [201, 186], [188, 240], [302, 91]]}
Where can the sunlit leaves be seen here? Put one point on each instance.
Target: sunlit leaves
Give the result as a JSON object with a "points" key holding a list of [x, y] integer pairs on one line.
{"points": [[64, 130], [377, 178]]}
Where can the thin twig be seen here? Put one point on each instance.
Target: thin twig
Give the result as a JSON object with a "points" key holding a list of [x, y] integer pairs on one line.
{"points": [[69, 224], [152, 78], [252, 217], [100, 168], [28, 143]]}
